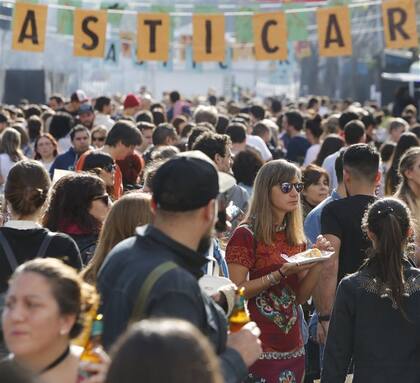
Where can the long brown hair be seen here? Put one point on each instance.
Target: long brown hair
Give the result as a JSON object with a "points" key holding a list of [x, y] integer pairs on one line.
{"points": [[389, 220], [10, 144], [260, 214], [126, 214]]}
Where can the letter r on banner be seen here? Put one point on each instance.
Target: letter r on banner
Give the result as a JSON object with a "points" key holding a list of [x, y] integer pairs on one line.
{"points": [[208, 38], [153, 36], [29, 26], [400, 29], [270, 36], [334, 33], [89, 33]]}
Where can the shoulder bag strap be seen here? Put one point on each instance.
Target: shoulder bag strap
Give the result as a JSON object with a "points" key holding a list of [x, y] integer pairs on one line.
{"points": [[9, 252], [146, 288], [44, 245]]}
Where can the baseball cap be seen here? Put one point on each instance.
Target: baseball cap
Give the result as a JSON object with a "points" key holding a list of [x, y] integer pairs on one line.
{"points": [[85, 108], [79, 95], [188, 181]]}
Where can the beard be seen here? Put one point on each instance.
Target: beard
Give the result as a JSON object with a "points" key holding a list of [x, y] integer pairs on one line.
{"points": [[205, 242]]}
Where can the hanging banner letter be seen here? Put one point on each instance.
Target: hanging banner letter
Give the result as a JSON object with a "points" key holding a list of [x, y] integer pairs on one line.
{"points": [[208, 38], [270, 36], [153, 36], [29, 25], [334, 33], [89, 33], [399, 18]]}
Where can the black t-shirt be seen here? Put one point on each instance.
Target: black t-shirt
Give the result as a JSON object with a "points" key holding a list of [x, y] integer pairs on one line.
{"points": [[25, 245], [343, 218]]}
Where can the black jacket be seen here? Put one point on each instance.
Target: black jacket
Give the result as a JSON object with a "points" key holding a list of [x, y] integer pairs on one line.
{"points": [[176, 294], [367, 327]]}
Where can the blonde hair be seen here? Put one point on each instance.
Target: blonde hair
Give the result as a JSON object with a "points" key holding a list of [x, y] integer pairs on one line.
{"points": [[260, 213], [126, 214]]}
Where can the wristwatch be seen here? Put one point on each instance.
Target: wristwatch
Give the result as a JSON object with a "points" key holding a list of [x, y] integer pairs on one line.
{"points": [[324, 318]]}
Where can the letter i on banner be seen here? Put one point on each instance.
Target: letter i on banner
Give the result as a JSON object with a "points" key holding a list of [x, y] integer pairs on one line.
{"points": [[153, 36], [400, 29], [208, 38], [29, 26], [334, 33], [270, 36], [89, 33]]}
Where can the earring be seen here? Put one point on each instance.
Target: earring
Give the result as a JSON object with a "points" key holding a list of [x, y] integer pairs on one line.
{"points": [[63, 332]]}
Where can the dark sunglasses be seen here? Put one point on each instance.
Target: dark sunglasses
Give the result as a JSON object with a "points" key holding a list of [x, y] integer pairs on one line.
{"points": [[110, 168], [104, 198], [286, 187], [96, 138]]}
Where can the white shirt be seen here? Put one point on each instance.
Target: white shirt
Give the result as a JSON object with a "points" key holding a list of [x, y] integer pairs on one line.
{"points": [[64, 144], [329, 166], [5, 165], [103, 119], [259, 144], [311, 154]]}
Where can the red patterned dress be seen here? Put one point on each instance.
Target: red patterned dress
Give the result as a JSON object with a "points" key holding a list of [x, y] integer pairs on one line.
{"points": [[274, 309]]}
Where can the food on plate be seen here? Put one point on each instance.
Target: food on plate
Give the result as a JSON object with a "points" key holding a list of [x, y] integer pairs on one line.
{"points": [[313, 253]]}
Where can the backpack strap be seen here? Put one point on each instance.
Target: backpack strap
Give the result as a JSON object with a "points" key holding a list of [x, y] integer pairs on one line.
{"points": [[44, 244], [9, 252], [146, 288]]}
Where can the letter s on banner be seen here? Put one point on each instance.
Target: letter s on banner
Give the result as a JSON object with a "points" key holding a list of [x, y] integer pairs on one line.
{"points": [[29, 26], [399, 17], [89, 32], [334, 33], [208, 37], [270, 36], [153, 33]]}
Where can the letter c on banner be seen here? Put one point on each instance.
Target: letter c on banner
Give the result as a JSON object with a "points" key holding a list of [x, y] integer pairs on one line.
{"points": [[270, 36], [334, 34], [208, 38], [153, 31], [399, 17], [29, 26], [89, 33]]}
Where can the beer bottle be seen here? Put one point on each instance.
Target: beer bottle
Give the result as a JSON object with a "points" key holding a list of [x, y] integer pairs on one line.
{"points": [[240, 315], [90, 353]]}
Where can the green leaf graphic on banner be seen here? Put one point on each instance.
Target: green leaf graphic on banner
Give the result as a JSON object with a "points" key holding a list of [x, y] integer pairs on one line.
{"points": [[243, 27], [338, 2], [205, 8], [28, 1], [297, 24], [113, 18], [65, 17]]}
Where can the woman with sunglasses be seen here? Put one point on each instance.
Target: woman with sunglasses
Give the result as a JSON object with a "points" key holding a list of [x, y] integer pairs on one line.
{"points": [[274, 288], [98, 135], [102, 165], [78, 207]]}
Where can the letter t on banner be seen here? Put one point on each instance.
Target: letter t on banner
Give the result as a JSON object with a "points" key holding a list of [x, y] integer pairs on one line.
{"points": [[153, 36], [270, 36], [89, 33], [29, 25], [208, 38], [399, 24], [334, 33]]}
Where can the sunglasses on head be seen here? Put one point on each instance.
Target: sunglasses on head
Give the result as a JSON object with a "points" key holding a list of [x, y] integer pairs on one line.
{"points": [[110, 168], [104, 198], [96, 138], [286, 187]]}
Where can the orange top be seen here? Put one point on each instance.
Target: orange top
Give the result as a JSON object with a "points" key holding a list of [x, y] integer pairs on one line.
{"points": [[118, 185]]}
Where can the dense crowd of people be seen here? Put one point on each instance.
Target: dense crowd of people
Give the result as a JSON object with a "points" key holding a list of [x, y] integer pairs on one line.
{"points": [[143, 218]]}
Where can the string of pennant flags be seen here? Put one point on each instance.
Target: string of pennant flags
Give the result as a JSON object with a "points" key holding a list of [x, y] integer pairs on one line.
{"points": [[269, 31]]}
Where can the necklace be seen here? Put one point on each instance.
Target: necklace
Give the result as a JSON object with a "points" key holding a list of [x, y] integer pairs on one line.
{"points": [[281, 227], [57, 361]]}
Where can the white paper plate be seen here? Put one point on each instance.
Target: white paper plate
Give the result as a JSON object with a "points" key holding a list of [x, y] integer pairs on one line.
{"points": [[302, 258]]}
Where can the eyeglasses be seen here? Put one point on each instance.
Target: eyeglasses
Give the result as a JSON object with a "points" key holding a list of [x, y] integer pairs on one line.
{"points": [[101, 139], [104, 198], [286, 187], [110, 168]]}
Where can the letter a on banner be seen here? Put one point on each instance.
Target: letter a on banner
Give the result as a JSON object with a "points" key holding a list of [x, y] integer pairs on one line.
{"points": [[334, 34], [153, 37], [29, 25], [208, 38], [270, 36], [399, 24], [89, 33]]}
